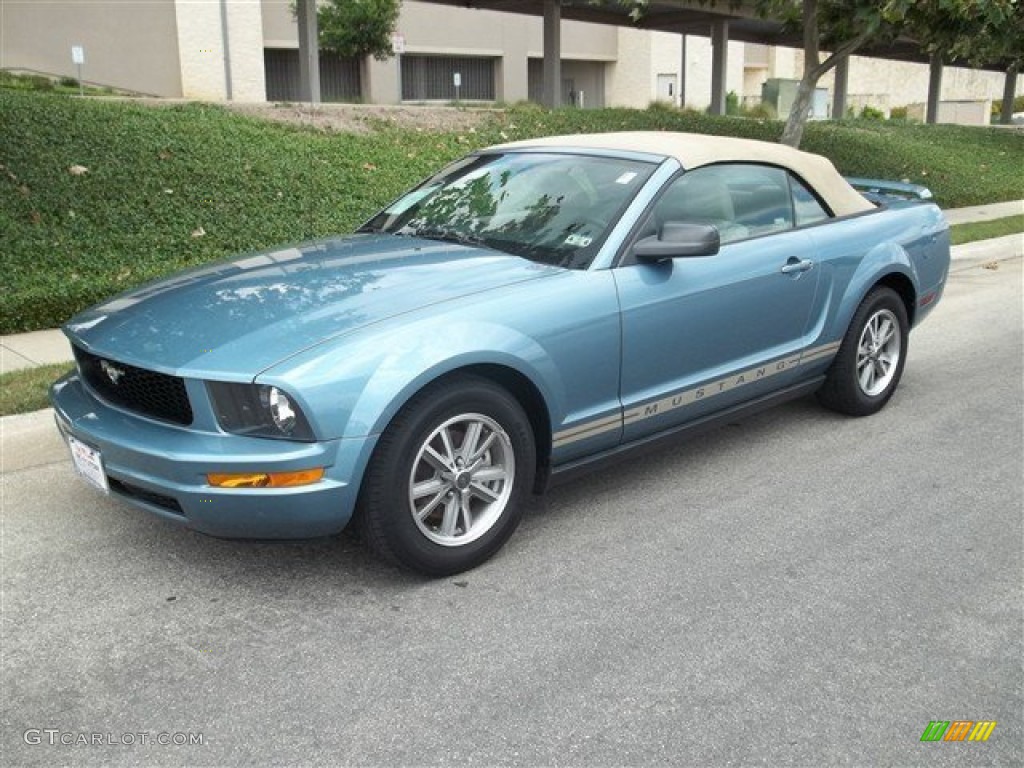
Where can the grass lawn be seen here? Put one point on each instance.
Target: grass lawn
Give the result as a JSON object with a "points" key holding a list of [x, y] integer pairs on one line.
{"points": [[25, 390], [983, 230], [36, 83], [97, 196]]}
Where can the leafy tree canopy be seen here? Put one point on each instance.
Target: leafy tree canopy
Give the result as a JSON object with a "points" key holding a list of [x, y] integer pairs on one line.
{"points": [[976, 32], [973, 30], [358, 27]]}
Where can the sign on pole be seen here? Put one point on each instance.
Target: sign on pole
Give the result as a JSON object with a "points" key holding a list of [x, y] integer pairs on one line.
{"points": [[78, 58]]}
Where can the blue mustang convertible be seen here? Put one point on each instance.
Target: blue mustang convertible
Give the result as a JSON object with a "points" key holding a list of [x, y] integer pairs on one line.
{"points": [[532, 310]]}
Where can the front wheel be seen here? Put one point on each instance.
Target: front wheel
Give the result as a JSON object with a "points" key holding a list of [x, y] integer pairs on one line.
{"points": [[449, 480], [870, 360]]}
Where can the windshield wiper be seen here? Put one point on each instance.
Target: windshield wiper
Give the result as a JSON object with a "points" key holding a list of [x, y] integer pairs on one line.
{"points": [[446, 236]]}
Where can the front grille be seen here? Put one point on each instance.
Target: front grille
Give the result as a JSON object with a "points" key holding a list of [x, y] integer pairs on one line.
{"points": [[135, 492], [152, 394]]}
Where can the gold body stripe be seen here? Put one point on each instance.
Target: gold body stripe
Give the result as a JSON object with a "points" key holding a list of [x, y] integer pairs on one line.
{"points": [[687, 397]]}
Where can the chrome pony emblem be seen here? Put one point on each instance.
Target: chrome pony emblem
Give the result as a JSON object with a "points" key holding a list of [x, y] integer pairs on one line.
{"points": [[113, 372]]}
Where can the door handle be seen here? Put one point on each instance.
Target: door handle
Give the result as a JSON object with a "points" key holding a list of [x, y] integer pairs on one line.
{"points": [[793, 266]]}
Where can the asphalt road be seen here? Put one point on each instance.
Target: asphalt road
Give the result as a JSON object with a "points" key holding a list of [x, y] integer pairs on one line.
{"points": [[796, 589]]}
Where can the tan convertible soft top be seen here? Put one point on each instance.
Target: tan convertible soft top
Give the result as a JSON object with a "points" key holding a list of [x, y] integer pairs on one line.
{"points": [[693, 150]]}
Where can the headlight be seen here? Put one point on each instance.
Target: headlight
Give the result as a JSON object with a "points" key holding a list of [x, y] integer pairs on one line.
{"points": [[281, 409], [258, 410]]}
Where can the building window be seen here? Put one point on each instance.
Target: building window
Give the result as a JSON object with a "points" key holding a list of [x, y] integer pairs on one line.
{"points": [[432, 78], [340, 76]]}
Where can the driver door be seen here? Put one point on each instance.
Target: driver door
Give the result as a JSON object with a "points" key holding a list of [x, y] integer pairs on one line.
{"points": [[701, 334]]}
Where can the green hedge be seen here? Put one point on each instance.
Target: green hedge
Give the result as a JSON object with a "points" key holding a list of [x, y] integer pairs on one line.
{"points": [[158, 174]]}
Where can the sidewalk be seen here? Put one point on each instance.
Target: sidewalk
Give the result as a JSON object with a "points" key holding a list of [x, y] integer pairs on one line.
{"points": [[29, 350], [984, 212]]}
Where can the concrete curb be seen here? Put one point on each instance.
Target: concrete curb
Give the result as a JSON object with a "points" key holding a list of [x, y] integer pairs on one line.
{"points": [[996, 249]]}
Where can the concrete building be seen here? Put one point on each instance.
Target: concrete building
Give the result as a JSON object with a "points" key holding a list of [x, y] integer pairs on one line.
{"points": [[247, 50]]}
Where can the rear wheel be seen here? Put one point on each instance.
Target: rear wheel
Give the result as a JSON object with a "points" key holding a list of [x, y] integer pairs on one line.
{"points": [[448, 482], [870, 361]]}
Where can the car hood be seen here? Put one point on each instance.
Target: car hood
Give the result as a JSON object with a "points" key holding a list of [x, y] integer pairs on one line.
{"points": [[237, 318]]}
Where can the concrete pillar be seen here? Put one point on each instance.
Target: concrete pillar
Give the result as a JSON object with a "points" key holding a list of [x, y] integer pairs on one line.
{"points": [[719, 64], [682, 71], [934, 89], [842, 80], [514, 77], [309, 52], [514, 69], [552, 54], [1009, 91], [226, 41], [382, 80]]}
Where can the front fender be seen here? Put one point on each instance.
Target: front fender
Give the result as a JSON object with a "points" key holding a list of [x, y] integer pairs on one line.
{"points": [[420, 359], [561, 334]]}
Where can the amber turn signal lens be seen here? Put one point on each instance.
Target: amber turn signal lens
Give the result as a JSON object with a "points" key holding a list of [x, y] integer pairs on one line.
{"points": [[265, 479]]}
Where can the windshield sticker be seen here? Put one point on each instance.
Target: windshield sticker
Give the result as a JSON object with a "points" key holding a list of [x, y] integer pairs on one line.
{"points": [[581, 241], [625, 178]]}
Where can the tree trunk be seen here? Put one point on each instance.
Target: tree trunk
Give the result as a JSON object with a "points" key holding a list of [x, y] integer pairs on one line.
{"points": [[931, 115], [814, 69], [1009, 91], [793, 133]]}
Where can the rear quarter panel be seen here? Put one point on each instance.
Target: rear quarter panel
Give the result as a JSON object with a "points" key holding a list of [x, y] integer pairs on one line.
{"points": [[910, 239]]}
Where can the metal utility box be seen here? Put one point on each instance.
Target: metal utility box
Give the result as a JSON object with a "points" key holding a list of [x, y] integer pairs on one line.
{"points": [[781, 93]]}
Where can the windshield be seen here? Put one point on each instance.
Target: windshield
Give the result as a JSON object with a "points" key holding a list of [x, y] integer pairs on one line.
{"points": [[550, 208]]}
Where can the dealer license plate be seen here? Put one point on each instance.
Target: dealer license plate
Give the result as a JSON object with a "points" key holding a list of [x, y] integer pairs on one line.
{"points": [[89, 463]]}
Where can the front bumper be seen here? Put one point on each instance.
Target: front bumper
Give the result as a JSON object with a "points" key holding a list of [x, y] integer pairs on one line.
{"points": [[162, 468]]}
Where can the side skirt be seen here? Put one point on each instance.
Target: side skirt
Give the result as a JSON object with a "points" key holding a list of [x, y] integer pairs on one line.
{"points": [[564, 473]]}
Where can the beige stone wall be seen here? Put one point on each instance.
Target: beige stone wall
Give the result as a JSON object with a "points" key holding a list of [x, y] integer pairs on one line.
{"points": [[628, 81], [176, 48], [959, 112], [438, 29], [884, 84], [698, 71], [130, 45], [279, 29], [632, 80], [431, 29], [221, 49]]}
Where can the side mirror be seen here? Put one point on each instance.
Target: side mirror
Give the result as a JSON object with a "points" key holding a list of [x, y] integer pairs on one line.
{"points": [[678, 239]]}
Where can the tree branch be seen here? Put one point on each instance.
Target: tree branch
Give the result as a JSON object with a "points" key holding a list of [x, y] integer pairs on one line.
{"points": [[845, 49]]}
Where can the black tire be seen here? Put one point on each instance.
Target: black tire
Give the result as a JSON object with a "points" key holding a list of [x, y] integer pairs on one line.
{"points": [[864, 376], [412, 509]]}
